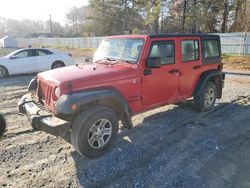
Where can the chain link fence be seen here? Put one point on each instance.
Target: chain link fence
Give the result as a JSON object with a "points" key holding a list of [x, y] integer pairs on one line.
{"points": [[90, 42], [231, 43], [235, 43]]}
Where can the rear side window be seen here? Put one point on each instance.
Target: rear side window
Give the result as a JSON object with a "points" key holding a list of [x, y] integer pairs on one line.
{"points": [[42, 52], [211, 49], [164, 50], [190, 50]]}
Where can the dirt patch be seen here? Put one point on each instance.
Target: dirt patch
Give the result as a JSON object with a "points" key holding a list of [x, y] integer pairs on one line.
{"points": [[236, 62], [172, 146]]}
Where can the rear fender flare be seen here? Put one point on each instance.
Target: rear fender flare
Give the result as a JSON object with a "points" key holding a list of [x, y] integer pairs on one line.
{"points": [[214, 75]]}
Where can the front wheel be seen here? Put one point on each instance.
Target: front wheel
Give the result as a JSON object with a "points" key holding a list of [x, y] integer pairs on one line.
{"points": [[205, 101], [94, 130], [3, 72]]}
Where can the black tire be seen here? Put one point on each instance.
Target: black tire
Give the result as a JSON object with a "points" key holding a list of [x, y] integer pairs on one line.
{"points": [[57, 64], [205, 101], [2, 125], [3, 72], [82, 134]]}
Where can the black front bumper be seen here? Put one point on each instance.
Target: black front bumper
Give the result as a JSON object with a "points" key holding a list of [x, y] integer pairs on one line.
{"points": [[42, 120]]}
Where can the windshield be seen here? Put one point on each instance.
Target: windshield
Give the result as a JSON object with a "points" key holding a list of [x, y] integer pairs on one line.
{"points": [[119, 49]]}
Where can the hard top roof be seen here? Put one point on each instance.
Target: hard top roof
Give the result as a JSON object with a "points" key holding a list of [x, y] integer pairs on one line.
{"points": [[164, 35]]}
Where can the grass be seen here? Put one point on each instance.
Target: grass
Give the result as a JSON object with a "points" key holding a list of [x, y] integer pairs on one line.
{"points": [[76, 52], [5, 51]]}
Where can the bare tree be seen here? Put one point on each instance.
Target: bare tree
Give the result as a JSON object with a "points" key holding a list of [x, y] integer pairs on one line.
{"points": [[224, 16]]}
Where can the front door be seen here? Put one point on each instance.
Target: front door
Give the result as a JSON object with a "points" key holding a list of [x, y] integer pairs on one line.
{"points": [[23, 62], [161, 84], [44, 59]]}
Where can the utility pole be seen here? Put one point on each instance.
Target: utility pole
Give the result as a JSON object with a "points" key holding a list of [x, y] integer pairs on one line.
{"points": [[125, 15], [103, 21], [133, 15], [50, 23], [194, 17]]}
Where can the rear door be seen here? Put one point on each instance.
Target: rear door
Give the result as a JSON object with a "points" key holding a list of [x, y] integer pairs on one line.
{"points": [[161, 84], [190, 66], [44, 59]]}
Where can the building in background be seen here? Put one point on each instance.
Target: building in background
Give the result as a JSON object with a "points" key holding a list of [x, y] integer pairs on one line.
{"points": [[8, 42]]}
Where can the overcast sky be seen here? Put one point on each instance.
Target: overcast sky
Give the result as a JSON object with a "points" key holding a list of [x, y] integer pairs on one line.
{"points": [[38, 9]]}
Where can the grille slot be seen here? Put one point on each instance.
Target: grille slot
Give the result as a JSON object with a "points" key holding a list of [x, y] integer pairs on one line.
{"points": [[45, 92]]}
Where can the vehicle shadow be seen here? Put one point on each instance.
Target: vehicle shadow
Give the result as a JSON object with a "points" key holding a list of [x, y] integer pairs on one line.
{"points": [[137, 147]]}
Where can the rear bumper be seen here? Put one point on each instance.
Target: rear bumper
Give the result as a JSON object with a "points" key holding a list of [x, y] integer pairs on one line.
{"points": [[40, 120]]}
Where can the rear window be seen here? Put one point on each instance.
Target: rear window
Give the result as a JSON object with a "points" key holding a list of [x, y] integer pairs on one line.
{"points": [[42, 52], [211, 49]]}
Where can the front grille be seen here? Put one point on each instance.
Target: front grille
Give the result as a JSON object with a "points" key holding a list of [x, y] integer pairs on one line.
{"points": [[45, 92]]}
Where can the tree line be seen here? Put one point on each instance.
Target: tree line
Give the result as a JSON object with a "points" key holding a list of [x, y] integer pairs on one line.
{"points": [[112, 17]]}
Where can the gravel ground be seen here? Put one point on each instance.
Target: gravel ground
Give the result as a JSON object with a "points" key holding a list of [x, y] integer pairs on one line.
{"points": [[171, 146]]}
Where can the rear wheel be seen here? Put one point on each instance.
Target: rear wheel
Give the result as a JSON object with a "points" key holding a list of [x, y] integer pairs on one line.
{"points": [[94, 130], [3, 72], [205, 101], [58, 64]]}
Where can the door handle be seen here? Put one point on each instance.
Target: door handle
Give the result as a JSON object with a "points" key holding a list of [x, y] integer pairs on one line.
{"points": [[174, 71], [196, 67]]}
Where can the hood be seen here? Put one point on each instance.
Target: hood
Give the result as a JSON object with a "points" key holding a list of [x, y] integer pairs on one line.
{"points": [[89, 74]]}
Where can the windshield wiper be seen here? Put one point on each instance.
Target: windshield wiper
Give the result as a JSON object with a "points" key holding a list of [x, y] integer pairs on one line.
{"points": [[113, 60], [122, 60], [105, 59]]}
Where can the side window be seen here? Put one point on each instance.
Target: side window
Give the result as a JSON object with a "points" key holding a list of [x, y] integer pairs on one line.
{"points": [[211, 48], [42, 52], [24, 54], [47, 52], [190, 50], [164, 50]]}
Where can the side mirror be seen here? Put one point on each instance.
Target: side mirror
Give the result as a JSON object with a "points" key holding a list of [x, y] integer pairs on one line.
{"points": [[153, 62]]}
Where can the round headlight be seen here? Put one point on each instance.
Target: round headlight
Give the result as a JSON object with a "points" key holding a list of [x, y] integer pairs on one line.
{"points": [[57, 92]]}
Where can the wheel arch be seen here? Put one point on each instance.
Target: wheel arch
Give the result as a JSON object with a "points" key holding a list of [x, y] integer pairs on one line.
{"points": [[57, 61], [215, 76], [6, 68], [85, 99]]}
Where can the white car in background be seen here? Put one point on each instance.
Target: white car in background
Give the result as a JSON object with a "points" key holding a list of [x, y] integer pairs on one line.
{"points": [[32, 60]]}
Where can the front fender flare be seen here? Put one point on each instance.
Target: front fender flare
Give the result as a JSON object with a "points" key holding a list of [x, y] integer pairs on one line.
{"points": [[81, 99]]}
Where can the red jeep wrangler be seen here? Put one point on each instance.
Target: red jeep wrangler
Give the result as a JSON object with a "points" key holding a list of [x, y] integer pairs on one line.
{"points": [[129, 74]]}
